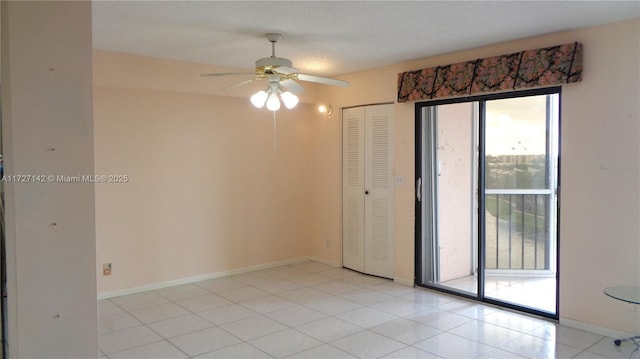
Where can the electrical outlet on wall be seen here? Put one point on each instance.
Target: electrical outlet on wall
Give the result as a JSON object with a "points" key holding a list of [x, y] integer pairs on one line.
{"points": [[106, 269]]}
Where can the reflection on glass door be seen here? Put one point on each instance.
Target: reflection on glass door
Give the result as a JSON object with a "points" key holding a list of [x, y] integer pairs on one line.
{"points": [[520, 200], [450, 134], [486, 199]]}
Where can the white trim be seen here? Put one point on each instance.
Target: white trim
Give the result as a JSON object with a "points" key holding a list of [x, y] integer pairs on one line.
{"points": [[520, 273], [611, 333], [188, 280], [326, 261], [404, 281]]}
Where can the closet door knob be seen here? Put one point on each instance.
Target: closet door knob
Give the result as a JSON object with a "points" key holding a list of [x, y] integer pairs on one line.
{"points": [[366, 192]]}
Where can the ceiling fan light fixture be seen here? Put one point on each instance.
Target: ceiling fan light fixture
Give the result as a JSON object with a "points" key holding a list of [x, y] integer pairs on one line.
{"points": [[273, 104], [290, 100], [258, 99]]}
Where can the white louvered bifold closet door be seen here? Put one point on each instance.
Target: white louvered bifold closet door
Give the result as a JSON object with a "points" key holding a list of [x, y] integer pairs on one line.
{"points": [[368, 190], [378, 203]]}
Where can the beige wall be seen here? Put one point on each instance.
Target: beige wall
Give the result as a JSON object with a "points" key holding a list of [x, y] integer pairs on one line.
{"points": [[46, 104], [600, 172], [600, 214], [207, 193]]}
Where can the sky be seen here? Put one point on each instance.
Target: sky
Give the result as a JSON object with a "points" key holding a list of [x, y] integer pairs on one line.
{"points": [[516, 126]]}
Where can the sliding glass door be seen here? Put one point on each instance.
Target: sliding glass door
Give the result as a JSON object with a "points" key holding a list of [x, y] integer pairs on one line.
{"points": [[487, 199]]}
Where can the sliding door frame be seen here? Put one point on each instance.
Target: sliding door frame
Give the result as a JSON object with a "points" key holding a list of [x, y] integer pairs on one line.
{"points": [[420, 108]]}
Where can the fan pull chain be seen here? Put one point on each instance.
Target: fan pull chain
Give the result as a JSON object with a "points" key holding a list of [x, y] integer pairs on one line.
{"points": [[275, 134]]}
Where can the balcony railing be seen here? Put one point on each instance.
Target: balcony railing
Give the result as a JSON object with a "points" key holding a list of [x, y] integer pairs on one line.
{"points": [[518, 229]]}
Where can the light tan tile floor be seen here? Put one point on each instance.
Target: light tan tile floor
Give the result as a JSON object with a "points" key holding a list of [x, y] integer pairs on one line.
{"points": [[311, 310]]}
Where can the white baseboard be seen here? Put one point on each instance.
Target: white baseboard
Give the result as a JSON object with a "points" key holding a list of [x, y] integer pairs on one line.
{"points": [[611, 333], [326, 261], [189, 280], [404, 281]]}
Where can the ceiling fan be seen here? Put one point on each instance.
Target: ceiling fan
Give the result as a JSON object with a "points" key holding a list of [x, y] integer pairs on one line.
{"points": [[281, 78]]}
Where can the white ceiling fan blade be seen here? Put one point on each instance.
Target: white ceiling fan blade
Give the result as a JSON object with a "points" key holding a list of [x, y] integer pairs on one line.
{"points": [[292, 86], [285, 70], [227, 74], [322, 80], [237, 85]]}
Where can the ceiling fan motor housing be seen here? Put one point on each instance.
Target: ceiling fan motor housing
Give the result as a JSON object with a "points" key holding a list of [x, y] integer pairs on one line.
{"points": [[268, 63]]}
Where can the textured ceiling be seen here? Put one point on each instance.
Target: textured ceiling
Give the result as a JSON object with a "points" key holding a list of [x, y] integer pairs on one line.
{"points": [[333, 37]]}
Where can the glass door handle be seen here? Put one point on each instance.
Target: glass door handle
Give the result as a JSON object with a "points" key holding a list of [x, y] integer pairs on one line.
{"points": [[419, 189]]}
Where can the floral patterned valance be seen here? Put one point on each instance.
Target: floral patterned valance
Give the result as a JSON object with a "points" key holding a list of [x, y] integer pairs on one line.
{"points": [[549, 66]]}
